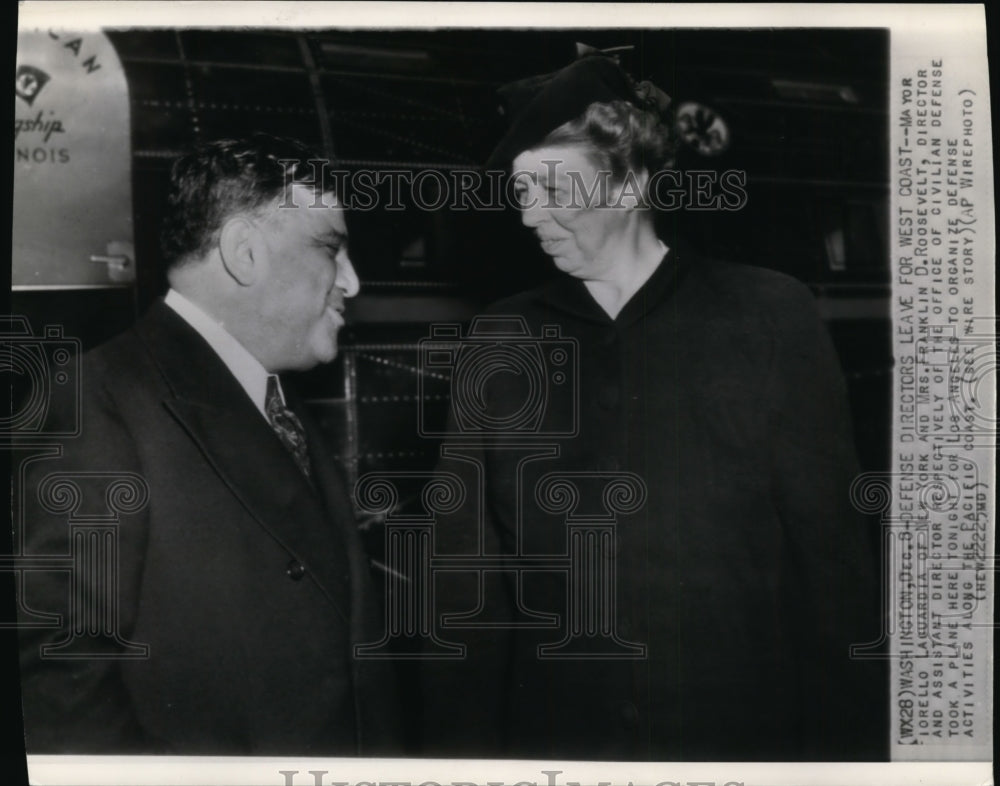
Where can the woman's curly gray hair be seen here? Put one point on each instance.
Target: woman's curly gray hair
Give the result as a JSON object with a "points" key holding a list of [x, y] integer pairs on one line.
{"points": [[619, 137]]}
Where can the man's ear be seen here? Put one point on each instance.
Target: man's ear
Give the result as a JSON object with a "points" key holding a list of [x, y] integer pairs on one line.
{"points": [[631, 192], [240, 251]]}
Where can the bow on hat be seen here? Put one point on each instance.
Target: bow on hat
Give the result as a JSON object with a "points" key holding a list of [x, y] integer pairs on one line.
{"points": [[539, 104]]}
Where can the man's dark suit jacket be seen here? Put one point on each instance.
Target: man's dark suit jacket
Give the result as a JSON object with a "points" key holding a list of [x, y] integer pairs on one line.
{"points": [[248, 585]]}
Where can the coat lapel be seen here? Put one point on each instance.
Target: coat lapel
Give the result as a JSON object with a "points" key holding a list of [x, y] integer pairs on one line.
{"points": [[374, 679], [215, 411], [329, 481]]}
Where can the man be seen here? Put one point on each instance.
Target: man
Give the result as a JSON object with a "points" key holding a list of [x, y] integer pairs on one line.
{"points": [[242, 587]]}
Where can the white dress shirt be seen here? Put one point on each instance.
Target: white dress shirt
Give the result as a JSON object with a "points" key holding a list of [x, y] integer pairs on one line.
{"points": [[248, 371]]}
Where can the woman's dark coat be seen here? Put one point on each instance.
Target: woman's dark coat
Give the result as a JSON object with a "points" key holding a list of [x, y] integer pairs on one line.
{"points": [[747, 574]]}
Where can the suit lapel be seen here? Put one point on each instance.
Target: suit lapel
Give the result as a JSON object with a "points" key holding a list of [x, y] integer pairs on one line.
{"points": [[374, 679], [329, 481], [215, 411]]}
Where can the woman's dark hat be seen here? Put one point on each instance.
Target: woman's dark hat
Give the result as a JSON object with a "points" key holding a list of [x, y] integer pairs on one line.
{"points": [[540, 104]]}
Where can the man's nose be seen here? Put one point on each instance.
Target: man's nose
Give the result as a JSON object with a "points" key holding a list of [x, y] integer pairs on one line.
{"points": [[347, 279]]}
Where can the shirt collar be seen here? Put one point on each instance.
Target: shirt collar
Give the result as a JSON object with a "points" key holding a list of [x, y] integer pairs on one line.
{"points": [[248, 371]]}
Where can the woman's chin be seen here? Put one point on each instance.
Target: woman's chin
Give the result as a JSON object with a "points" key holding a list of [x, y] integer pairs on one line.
{"points": [[565, 264]]}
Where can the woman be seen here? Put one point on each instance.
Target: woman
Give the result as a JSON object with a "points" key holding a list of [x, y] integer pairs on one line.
{"points": [[740, 583], [583, 202]]}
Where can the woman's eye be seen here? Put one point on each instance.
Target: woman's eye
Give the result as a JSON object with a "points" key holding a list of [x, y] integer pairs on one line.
{"points": [[556, 195]]}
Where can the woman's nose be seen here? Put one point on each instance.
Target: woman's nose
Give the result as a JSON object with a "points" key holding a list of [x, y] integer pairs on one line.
{"points": [[531, 214]]}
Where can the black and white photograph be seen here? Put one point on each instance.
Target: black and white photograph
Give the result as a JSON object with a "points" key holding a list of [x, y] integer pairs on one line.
{"points": [[455, 394]]}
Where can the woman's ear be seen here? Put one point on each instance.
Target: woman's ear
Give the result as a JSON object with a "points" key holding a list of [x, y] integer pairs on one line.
{"points": [[631, 192], [240, 252]]}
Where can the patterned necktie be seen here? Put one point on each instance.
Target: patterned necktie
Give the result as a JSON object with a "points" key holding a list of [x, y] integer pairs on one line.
{"points": [[286, 425]]}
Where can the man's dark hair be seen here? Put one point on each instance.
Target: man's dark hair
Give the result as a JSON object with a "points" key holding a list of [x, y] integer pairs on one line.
{"points": [[221, 178]]}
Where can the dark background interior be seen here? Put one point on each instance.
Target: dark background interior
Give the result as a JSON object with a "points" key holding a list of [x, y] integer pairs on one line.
{"points": [[807, 111], [807, 115]]}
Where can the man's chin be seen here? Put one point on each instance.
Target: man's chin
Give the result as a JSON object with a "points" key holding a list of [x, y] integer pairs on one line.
{"points": [[316, 357], [322, 358], [327, 354], [324, 347]]}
